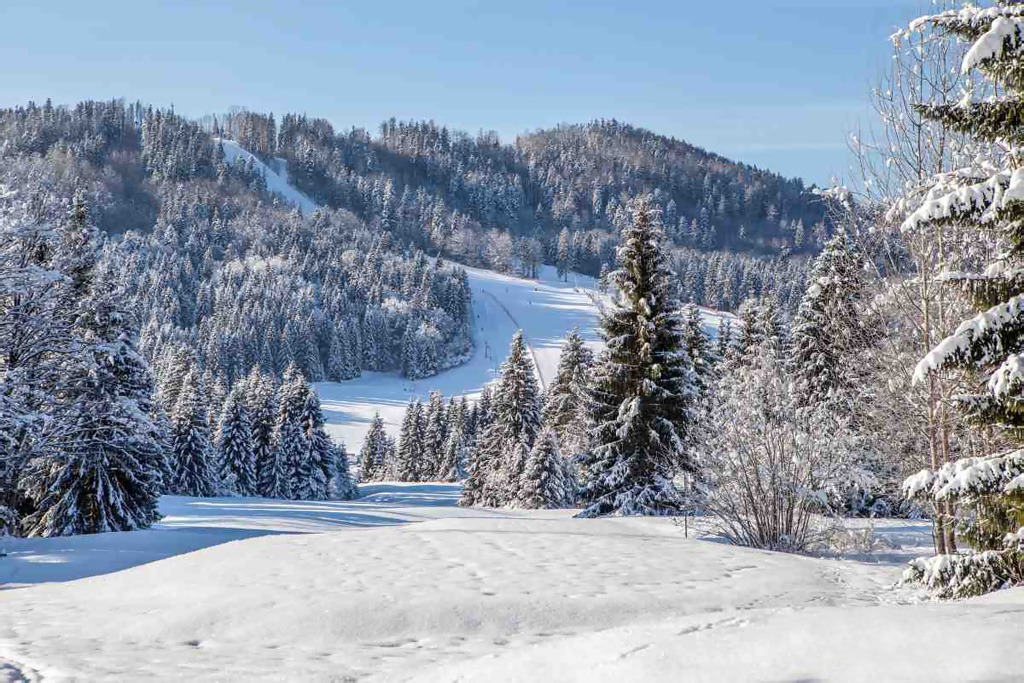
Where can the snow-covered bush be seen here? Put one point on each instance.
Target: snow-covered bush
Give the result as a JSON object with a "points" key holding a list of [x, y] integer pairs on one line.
{"points": [[770, 468]]}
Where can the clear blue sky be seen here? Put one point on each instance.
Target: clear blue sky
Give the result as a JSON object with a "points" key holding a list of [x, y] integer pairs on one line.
{"points": [[775, 83]]}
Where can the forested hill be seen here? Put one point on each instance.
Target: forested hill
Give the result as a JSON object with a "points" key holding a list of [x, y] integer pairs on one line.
{"points": [[433, 184], [554, 196]]}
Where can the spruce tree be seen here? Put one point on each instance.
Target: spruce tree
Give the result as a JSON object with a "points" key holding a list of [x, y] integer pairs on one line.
{"points": [[317, 465], [566, 400], [102, 454], [343, 487], [409, 458], [373, 455], [235, 457], [504, 445], [290, 435], [191, 451], [544, 484], [702, 355], [435, 432], [643, 385], [262, 403], [827, 329], [989, 487]]}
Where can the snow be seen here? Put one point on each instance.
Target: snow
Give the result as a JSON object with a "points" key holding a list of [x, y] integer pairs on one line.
{"points": [[313, 591], [277, 178], [991, 44], [404, 585]]}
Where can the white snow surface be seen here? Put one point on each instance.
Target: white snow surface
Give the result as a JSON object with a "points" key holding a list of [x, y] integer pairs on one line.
{"points": [[252, 589]]}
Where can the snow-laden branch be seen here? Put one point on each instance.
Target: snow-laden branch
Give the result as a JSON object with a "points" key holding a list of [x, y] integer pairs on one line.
{"points": [[986, 323]]}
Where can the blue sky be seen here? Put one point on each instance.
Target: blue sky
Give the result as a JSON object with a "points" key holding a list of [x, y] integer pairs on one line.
{"points": [[779, 84]]}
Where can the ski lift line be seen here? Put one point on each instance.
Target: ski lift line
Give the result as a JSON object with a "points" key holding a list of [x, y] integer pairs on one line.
{"points": [[529, 346]]}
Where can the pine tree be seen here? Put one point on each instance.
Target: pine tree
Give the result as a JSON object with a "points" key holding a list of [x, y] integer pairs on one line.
{"points": [[191, 451], [544, 484], [827, 330], [643, 384], [435, 435], [290, 436], [409, 458], [235, 457], [566, 401], [505, 443], [373, 459], [993, 341], [317, 464], [102, 461]]}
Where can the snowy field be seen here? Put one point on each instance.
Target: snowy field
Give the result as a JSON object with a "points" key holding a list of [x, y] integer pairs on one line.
{"points": [[402, 585]]}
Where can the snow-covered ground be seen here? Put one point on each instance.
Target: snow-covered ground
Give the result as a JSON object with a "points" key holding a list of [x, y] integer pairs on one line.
{"points": [[402, 585]]}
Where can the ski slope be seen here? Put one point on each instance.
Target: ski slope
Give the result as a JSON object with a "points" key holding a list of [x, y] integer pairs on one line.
{"points": [[545, 309], [277, 177]]}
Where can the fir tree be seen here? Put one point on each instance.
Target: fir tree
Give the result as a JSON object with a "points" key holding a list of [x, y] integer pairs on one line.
{"points": [[235, 457], [191, 451], [993, 341], [544, 484], [317, 462], [102, 460], [566, 401], [643, 384], [373, 460]]}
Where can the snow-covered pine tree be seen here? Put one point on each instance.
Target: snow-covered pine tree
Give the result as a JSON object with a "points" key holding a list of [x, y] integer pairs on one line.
{"points": [[290, 436], [723, 341], [505, 444], [409, 456], [101, 464], [343, 487], [566, 403], [700, 350], [435, 433], [191, 452], [317, 462], [261, 399], [643, 384], [235, 458], [991, 197], [373, 455], [544, 484], [828, 331]]}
